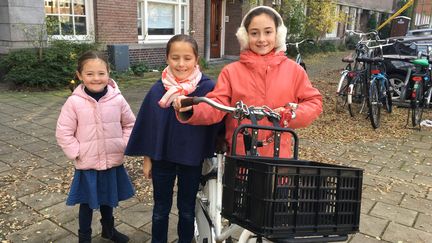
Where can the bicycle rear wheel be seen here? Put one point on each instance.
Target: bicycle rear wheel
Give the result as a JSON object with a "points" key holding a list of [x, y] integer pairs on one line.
{"points": [[417, 106], [374, 104], [341, 93], [358, 98]]}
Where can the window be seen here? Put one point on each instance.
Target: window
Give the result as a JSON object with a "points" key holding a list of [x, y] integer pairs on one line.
{"points": [[159, 20], [352, 15], [68, 18], [333, 32]]}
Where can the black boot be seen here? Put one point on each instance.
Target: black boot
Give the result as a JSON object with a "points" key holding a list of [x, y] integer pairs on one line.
{"points": [[84, 237], [109, 232]]}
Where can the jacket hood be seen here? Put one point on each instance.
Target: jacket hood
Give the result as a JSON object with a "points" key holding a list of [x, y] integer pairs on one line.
{"points": [[281, 32], [250, 58], [113, 90]]}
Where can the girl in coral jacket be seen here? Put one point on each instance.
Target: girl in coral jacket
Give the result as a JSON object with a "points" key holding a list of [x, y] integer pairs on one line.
{"points": [[93, 129], [262, 76]]}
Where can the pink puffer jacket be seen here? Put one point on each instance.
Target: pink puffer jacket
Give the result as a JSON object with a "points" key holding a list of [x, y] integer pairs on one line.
{"points": [[92, 133]]}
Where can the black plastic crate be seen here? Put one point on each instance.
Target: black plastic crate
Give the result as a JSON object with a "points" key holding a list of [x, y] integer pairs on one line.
{"points": [[288, 198]]}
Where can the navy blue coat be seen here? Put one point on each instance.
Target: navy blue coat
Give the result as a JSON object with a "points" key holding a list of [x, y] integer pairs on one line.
{"points": [[159, 135]]}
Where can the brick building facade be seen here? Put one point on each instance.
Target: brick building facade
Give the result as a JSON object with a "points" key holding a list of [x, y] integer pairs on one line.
{"points": [[146, 25]]}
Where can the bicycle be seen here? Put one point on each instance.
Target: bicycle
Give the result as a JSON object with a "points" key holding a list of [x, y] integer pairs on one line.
{"points": [[350, 86], [418, 87], [379, 91], [298, 197], [299, 59], [350, 90]]}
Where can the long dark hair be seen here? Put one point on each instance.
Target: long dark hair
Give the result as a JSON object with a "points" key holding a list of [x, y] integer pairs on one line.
{"points": [[91, 55], [184, 38], [259, 11]]}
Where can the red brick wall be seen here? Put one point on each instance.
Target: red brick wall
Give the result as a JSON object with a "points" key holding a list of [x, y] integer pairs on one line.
{"points": [[116, 21], [197, 23], [153, 57], [234, 11]]}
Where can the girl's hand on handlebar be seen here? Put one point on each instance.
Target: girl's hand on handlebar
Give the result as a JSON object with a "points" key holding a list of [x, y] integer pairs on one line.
{"points": [[147, 167], [177, 104], [287, 113]]}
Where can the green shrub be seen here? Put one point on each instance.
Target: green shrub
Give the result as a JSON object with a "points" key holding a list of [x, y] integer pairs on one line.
{"points": [[327, 46], [55, 69], [351, 42], [124, 75], [341, 47], [203, 63], [160, 68], [140, 68]]}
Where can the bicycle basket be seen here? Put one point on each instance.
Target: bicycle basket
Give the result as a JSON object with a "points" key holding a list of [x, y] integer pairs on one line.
{"points": [[282, 198]]}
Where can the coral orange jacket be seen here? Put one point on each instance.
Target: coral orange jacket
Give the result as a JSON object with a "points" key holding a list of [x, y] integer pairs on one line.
{"points": [[272, 80]]}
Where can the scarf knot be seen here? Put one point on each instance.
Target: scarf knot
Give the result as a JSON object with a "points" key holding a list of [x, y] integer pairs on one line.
{"points": [[175, 87]]}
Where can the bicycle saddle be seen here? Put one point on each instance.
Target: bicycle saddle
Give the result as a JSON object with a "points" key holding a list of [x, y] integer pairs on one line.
{"points": [[348, 59], [370, 60]]}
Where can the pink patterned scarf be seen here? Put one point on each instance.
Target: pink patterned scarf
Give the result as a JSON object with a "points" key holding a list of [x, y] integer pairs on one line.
{"points": [[175, 87]]}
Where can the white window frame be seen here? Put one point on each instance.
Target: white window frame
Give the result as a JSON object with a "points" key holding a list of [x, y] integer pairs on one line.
{"points": [[178, 4], [89, 24]]}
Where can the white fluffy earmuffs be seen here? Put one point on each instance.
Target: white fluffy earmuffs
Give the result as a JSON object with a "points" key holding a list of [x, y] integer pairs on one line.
{"points": [[281, 32]]}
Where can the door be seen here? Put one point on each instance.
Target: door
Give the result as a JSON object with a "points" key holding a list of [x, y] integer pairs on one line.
{"points": [[216, 28]]}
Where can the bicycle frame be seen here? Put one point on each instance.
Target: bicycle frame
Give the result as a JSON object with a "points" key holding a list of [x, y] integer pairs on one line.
{"points": [[350, 75], [208, 219], [299, 59], [209, 224], [418, 81], [359, 77]]}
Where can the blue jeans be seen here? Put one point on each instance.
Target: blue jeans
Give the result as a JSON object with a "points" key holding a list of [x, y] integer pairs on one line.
{"points": [[164, 174]]}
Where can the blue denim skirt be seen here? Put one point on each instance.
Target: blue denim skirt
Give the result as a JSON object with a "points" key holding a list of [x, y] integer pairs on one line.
{"points": [[100, 187]]}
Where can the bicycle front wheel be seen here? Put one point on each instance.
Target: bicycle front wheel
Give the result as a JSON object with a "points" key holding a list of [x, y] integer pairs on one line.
{"points": [[374, 104], [342, 92], [417, 106], [358, 98]]}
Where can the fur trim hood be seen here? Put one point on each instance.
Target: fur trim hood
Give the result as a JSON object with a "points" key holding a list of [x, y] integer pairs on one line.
{"points": [[281, 31]]}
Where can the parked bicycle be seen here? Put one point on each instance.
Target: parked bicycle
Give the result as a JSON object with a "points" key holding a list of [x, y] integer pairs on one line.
{"points": [[271, 198], [299, 59], [417, 88], [379, 90], [351, 84]]}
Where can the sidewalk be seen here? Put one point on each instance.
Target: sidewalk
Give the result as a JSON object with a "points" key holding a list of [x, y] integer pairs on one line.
{"points": [[397, 186]]}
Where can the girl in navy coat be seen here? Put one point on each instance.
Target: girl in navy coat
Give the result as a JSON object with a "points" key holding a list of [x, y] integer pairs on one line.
{"points": [[173, 150]]}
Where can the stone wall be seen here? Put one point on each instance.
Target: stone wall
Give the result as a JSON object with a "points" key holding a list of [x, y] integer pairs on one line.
{"points": [[18, 17]]}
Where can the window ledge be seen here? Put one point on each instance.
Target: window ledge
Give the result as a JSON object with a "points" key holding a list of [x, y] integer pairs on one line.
{"points": [[146, 45]]}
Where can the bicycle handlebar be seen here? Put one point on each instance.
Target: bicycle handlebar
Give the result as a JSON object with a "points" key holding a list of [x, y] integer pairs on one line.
{"points": [[361, 34], [239, 112], [380, 45], [310, 41]]}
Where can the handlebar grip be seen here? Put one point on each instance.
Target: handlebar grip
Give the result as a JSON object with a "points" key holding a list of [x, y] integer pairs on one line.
{"points": [[189, 101]]}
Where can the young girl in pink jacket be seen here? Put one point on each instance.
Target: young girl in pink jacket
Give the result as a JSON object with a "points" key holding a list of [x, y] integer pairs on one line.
{"points": [[93, 129], [262, 76]]}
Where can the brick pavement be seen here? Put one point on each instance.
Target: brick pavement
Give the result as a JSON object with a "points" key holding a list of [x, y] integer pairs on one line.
{"points": [[396, 203]]}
